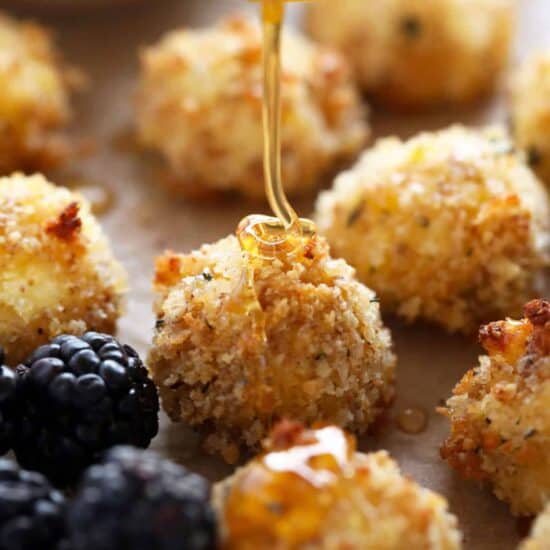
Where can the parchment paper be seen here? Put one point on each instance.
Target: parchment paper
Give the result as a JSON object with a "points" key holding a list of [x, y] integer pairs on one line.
{"points": [[146, 220]]}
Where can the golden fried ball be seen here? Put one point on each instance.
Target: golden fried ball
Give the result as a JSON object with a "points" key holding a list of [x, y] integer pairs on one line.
{"points": [[416, 53], [200, 106], [450, 227], [540, 533], [310, 490], [500, 413], [242, 341], [531, 112], [34, 98], [58, 273]]}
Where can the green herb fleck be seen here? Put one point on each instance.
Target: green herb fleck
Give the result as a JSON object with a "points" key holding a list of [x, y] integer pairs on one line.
{"points": [[275, 508], [207, 276], [355, 214], [423, 221], [534, 158], [411, 26]]}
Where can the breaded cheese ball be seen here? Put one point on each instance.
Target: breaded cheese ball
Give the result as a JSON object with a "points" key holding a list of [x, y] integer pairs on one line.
{"points": [[200, 106], [539, 538], [500, 413], [58, 273], [417, 53], [311, 490], [34, 98], [451, 227], [531, 112], [242, 341]]}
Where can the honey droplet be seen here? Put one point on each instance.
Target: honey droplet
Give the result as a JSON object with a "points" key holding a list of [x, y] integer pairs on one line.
{"points": [[412, 420], [267, 237]]}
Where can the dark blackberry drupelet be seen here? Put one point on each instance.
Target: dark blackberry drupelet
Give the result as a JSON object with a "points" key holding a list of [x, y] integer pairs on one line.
{"points": [[136, 499], [31, 511], [8, 413], [78, 396]]}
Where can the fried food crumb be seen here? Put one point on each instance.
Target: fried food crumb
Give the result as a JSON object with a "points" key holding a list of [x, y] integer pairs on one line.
{"points": [[451, 227], [34, 98], [200, 106], [499, 413], [311, 490], [58, 272], [242, 342], [531, 112], [413, 54]]}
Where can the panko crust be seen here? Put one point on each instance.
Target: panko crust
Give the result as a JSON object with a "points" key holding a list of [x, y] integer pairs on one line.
{"points": [[531, 111], [34, 98], [451, 227], [539, 538], [58, 273], [499, 413], [310, 490], [241, 342], [413, 54], [200, 105]]}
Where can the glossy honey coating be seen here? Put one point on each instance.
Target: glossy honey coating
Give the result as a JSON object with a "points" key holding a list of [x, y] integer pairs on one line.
{"points": [[539, 538], [531, 111], [451, 227], [499, 413], [34, 98], [243, 340], [200, 106], [418, 53], [311, 490], [58, 274]]}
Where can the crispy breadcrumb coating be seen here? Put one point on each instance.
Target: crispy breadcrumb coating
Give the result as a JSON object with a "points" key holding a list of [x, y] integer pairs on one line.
{"points": [[540, 533], [418, 53], [200, 105], [311, 490], [34, 98], [58, 273], [450, 226], [531, 112], [242, 341], [500, 413]]}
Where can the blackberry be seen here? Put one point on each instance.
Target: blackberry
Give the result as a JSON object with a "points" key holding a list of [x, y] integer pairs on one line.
{"points": [[136, 499], [31, 511], [8, 413], [78, 396]]}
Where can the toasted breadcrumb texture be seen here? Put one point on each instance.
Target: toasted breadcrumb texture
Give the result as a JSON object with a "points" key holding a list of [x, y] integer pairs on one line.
{"points": [[34, 98], [531, 112], [242, 341], [200, 105], [311, 490], [413, 54], [499, 413], [58, 273], [539, 538], [451, 227]]}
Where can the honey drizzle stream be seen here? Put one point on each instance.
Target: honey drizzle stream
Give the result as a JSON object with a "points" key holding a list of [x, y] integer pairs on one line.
{"points": [[265, 237], [273, 12]]}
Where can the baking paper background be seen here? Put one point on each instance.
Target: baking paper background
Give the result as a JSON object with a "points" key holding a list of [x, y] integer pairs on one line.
{"points": [[146, 220]]}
